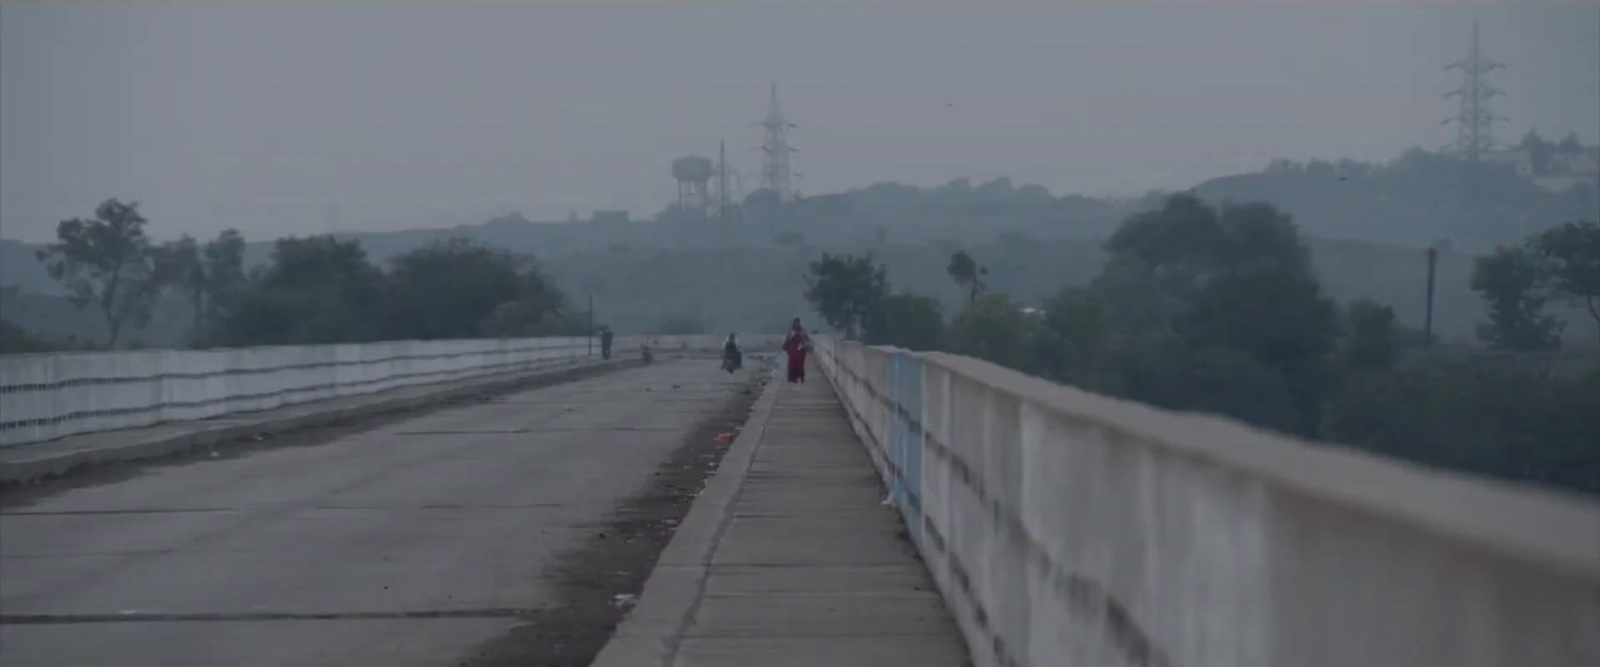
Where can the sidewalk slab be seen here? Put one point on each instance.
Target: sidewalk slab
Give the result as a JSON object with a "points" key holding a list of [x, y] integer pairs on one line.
{"points": [[821, 652], [788, 559], [26, 463], [824, 579]]}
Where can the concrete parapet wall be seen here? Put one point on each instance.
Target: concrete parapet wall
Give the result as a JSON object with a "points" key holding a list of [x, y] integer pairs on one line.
{"points": [[1066, 528], [48, 396]]}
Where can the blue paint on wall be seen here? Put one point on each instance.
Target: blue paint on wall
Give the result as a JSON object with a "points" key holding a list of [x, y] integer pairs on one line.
{"points": [[907, 439], [897, 433]]}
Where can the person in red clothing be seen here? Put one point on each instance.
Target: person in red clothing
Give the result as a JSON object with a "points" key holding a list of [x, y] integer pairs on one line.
{"points": [[796, 345]]}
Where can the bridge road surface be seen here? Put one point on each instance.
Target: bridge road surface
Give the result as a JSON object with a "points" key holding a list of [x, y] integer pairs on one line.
{"points": [[398, 546]]}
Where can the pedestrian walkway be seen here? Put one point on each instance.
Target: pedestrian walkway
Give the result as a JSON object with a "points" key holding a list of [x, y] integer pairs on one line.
{"points": [[805, 567]]}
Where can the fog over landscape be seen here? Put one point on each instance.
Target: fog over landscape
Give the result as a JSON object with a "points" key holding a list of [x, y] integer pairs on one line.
{"points": [[311, 118], [848, 333], [1251, 210]]}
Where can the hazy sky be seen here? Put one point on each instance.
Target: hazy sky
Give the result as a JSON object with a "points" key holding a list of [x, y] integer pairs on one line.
{"points": [[311, 117]]}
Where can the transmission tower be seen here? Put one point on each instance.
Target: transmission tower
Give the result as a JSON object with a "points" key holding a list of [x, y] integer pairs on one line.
{"points": [[1474, 121], [775, 148]]}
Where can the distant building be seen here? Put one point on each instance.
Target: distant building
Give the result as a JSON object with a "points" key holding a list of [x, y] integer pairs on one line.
{"points": [[1564, 170], [609, 216], [1570, 170], [1516, 158]]}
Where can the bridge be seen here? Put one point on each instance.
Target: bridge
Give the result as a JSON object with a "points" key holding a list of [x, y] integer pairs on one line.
{"points": [[528, 502]]}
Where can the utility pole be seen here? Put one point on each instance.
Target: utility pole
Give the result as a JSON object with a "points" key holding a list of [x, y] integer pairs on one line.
{"points": [[1427, 325], [724, 202]]}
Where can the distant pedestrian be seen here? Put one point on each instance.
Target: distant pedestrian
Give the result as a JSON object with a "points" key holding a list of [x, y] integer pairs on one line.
{"points": [[796, 345], [605, 342], [732, 358]]}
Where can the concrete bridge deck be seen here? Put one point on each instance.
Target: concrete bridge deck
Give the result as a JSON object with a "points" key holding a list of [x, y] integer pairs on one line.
{"points": [[1055, 527], [509, 529]]}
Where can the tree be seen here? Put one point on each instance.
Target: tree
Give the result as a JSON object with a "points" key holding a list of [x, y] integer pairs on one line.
{"points": [[1231, 383], [525, 318], [1178, 243], [448, 289], [1539, 151], [1137, 303], [1277, 317], [107, 262], [968, 274], [1515, 418], [317, 290], [1512, 284], [994, 328], [210, 276], [16, 340], [1570, 144], [1370, 336], [1074, 343], [1208, 307], [224, 264], [1278, 320], [907, 320], [845, 289], [1235, 276], [685, 324], [1258, 235], [540, 309], [1572, 257], [178, 265]]}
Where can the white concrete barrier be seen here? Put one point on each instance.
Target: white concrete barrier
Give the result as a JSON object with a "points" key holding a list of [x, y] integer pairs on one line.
{"points": [[48, 396], [1066, 528]]}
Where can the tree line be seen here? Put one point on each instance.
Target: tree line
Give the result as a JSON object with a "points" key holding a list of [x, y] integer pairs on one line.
{"points": [[1217, 309], [1517, 283], [315, 290], [1200, 307]]}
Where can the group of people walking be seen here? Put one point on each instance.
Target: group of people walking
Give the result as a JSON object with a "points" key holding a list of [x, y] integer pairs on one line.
{"points": [[796, 345]]}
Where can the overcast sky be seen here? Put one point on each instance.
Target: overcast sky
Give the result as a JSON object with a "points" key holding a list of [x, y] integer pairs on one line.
{"points": [[312, 117]]}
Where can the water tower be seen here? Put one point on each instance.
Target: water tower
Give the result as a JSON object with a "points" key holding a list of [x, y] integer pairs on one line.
{"points": [[693, 174]]}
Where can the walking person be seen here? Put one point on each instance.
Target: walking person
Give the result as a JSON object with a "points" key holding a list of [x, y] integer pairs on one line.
{"points": [[796, 345], [732, 358]]}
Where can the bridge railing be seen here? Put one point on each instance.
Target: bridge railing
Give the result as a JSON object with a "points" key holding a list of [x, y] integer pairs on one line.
{"points": [[48, 396], [1066, 528]]}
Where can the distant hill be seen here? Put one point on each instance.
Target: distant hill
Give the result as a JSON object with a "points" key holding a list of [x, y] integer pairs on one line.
{"points": [[1416, 200], [758, 287], [1367, 225]]}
